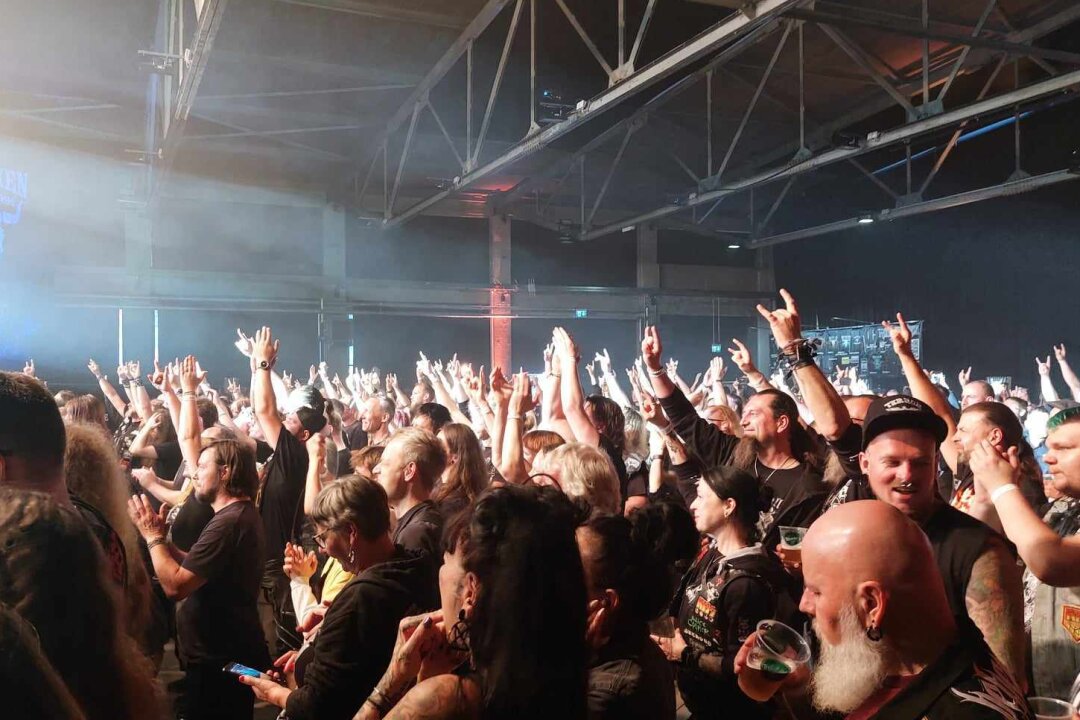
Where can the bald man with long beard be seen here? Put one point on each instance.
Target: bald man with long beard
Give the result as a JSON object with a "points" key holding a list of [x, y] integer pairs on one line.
{"points": [[891, 648]]}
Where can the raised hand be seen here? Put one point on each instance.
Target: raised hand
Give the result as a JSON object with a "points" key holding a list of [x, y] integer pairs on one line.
{"points": [[500, 387], [264, 348], [740, 356], [287, 379], [717, 369], [604, 359], [191, 376], [1059, 352], [652, 348], [651, 412], [521, 399], [672, 367], [244, 343], [1043, 367], [299, 564], [565, 348], [134, 369], [784, 322], [549, 352], [121, 372], [901, 337], [1020, 393], [965, 375], [992, 468], [232, 385], [313, 374], [149, 524], [423, 365], [94, 368]]}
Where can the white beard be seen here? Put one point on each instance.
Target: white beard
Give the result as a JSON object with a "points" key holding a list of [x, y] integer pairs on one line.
{"points": [[850, 672]]}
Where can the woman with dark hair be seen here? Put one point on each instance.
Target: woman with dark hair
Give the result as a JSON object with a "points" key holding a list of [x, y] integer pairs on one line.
{"points": [[733, 585], [465, 475], [629, 582], [53, 574], [507, 642], [339, 669]]}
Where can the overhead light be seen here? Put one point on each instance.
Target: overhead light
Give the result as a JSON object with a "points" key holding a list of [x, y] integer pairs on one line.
{"points": [[866, 219], [733, 246], [628, 228]]}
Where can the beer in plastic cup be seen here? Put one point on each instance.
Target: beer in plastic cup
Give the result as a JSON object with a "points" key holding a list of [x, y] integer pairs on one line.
{"points": [[1044, 708], [791, 543], [777, 652]]}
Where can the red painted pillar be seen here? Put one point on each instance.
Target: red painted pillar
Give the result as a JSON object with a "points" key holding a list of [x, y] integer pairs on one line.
{"points": [[501, 306]]}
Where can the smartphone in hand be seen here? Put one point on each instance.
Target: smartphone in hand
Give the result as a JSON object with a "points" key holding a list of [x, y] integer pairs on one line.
{"points": [[238, 669]]}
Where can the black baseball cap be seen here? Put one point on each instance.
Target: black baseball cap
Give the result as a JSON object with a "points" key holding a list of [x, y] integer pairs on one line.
{"points": [[901, 412]]}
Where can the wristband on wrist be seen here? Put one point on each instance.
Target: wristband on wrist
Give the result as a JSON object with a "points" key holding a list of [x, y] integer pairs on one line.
{"points": [[513, 417], [1003, 490], [135, 381], [379, 701], [154, 543], [657, 373]]}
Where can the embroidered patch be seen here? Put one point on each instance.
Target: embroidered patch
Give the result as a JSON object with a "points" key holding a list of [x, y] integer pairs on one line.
{"points": [[1070, 620], [705, 609]]}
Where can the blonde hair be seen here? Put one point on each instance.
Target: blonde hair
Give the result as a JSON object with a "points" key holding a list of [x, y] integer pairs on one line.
{"points": [[92, 473], [586, 472], [423, 448], [730, 416]]}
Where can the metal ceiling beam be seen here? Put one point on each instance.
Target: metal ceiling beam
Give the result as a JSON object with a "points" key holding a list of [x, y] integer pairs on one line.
{"points": [[1014, 187], [917, 31], [487, 14], [305, 93], [201, 46], [734, 28], [869, 143], [380, 11]]}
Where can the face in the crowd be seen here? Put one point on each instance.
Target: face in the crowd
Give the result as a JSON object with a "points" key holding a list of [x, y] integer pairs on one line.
{"points": [[1063, 458], [715, 415], [293, 426], [857, 407], [420, 395], [335, 541], [902, 468], [451, 458], [759, 422], [1018, 407], [974, 392], [423, 422], [210, 477], [971, 430], [710, 511], [393, 471], [457, 588], [371, 421]]}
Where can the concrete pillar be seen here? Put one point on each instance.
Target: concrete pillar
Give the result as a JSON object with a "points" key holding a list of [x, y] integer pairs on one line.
{"points": [[648, 268], [333, 243], [499, 252]]}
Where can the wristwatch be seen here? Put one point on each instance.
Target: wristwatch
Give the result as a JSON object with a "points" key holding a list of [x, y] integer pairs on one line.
{"points": [[265, 365]]}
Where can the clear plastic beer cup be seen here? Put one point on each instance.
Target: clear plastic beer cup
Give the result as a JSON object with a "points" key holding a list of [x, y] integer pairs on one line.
{"points": [[778, 651]]}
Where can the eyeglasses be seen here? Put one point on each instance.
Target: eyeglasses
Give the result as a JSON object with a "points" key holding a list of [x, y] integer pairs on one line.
{"points": [[541, 479], [320, 538]]}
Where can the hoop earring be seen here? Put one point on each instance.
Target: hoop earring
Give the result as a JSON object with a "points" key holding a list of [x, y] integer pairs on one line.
{"points": [[874, 633], [352, 556]]}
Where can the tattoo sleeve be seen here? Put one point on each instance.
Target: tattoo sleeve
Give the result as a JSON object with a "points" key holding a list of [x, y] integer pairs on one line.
{"points": [[995, 603]]}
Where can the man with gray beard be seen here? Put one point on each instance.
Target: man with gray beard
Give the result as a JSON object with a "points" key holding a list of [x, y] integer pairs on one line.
{"points": [[891, 648]]}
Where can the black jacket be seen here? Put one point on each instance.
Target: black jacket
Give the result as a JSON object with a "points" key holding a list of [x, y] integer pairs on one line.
{"points": [[630, 679], [357, 637], [719, 603]]}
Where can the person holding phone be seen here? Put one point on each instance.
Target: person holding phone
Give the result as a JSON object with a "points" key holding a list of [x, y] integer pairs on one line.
{"points": [[218, 579]]}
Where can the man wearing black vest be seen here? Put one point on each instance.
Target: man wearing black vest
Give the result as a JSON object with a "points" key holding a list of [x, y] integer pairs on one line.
{"points": [[900, 441]]}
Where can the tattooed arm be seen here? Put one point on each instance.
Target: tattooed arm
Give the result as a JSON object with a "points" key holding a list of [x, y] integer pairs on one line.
{"points": [[442, 697], [995, 603]]}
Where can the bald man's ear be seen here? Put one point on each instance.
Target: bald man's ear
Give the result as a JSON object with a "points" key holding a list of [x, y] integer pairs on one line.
{"points": [[864, 463], [870, 602]]}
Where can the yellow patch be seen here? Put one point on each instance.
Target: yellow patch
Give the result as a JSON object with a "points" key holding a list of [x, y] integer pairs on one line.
{"points": [[1070, 620]]}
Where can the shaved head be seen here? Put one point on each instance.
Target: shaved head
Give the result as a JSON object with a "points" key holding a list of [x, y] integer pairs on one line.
{"points": [[877, 599]]}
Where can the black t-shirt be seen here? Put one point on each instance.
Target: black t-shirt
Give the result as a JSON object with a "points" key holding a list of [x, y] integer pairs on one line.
{"points": [[169, 457], [192, 517], [355, 436], [219, 622], [420, 530], [617, 460], [283, 495]]}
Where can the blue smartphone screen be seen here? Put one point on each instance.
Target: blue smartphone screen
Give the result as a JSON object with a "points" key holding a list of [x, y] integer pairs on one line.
{"points": [[238, 669]]}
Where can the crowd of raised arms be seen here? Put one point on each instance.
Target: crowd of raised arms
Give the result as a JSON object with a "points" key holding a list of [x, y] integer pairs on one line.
{"points": [[472, 544]]}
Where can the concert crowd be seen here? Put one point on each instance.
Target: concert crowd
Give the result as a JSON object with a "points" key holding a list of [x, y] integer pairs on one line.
{"points": [[588, 542]]}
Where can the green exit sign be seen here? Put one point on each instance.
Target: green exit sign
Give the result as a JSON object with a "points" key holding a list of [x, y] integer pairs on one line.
{"points": [[581, 313], [717, 348]]}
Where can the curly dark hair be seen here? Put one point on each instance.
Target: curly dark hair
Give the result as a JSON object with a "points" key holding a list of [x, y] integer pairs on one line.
{"points": [[528, 626]]}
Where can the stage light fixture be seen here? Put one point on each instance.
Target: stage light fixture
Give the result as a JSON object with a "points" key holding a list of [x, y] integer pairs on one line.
{"points": [[866, 219]]}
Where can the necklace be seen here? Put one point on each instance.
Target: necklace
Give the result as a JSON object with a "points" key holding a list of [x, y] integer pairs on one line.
{"points": [[757, 470]]}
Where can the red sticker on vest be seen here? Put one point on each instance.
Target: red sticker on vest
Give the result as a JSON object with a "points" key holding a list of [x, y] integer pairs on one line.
{"points": [[1070, 620]]}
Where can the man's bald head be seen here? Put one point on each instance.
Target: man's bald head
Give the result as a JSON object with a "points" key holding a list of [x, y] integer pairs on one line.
{"points": [[976, 391], [877, 599]]}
